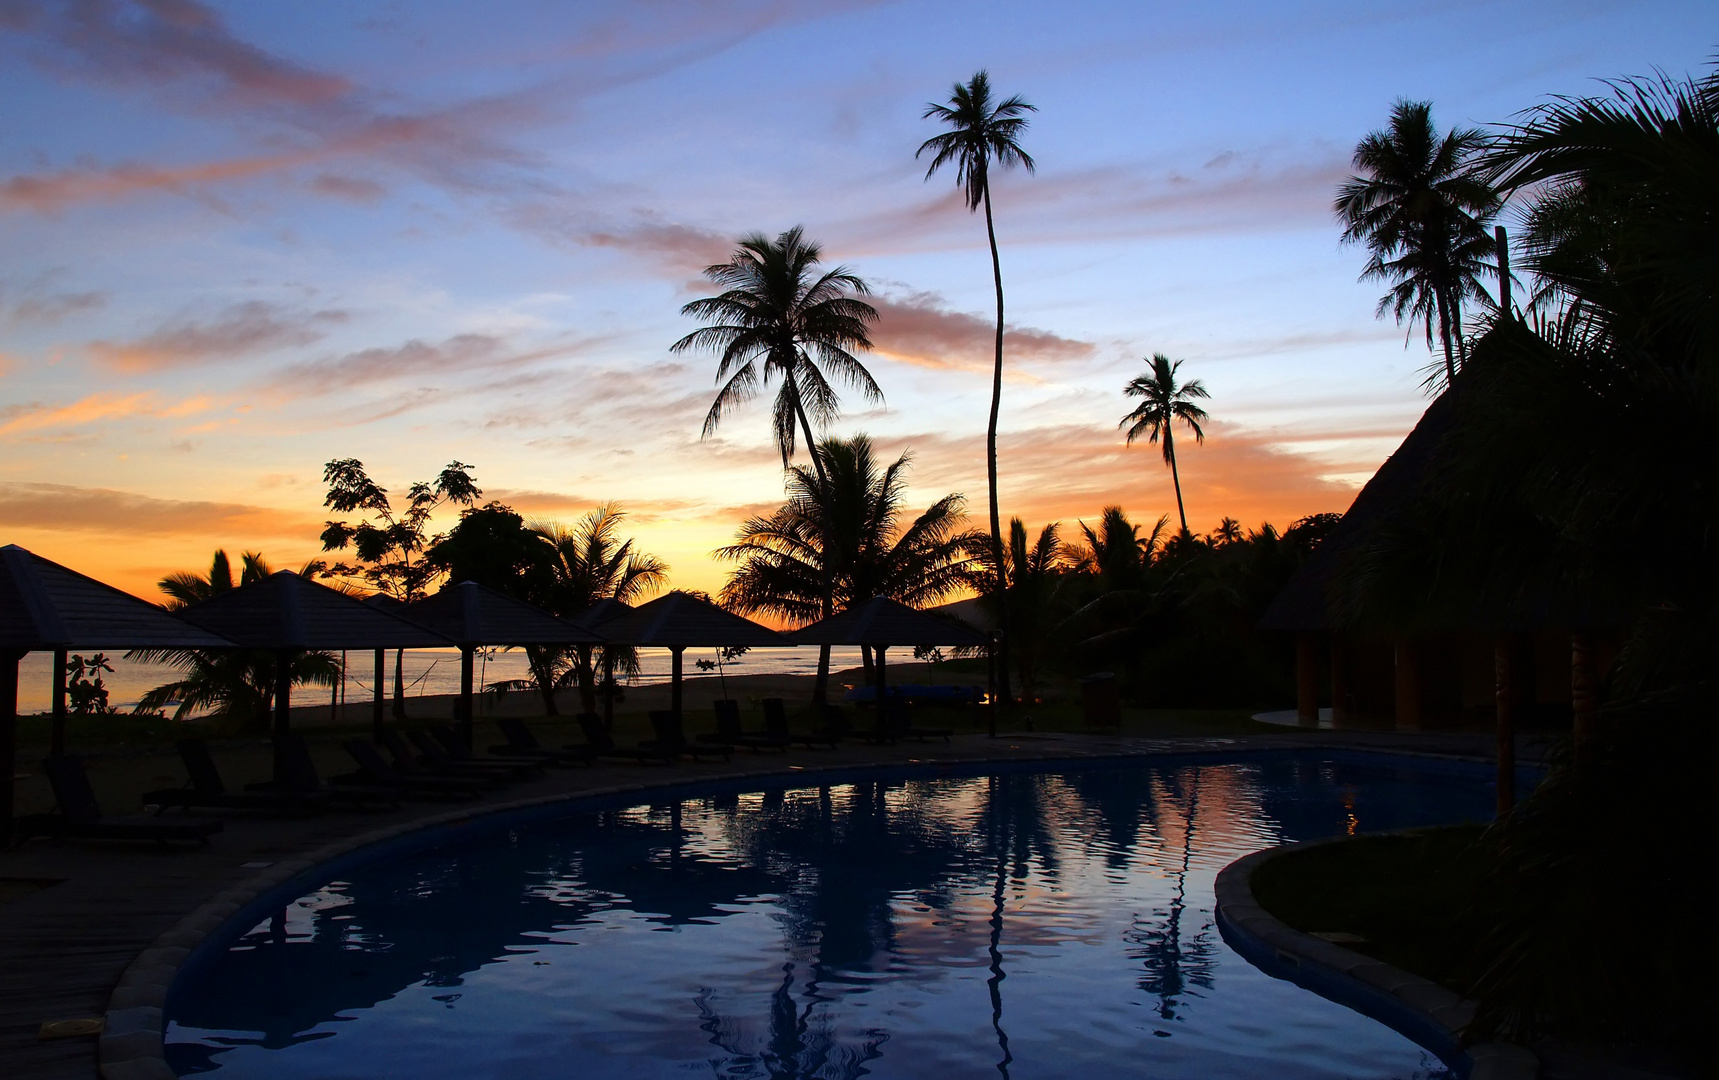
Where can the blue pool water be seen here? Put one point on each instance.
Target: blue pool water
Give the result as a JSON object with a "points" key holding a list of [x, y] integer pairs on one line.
{"points": [[1053, 924]]}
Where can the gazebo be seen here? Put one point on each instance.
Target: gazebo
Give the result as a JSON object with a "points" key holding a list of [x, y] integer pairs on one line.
{"points": [[679, 620], [285, 613], [605, 610], [43, 605], [883, 623], [471, 615]]}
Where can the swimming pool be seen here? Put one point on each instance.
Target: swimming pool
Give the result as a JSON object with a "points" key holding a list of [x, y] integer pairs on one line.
{"points": [[1055, 923]]}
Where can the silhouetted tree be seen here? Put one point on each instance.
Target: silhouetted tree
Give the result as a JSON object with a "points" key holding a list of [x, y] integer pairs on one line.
{"points": [[1163, 402]]}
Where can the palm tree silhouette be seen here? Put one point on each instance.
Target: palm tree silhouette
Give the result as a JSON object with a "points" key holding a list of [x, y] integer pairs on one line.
{"points": [[1421, 206], [842, 537], [803, 328], [588, 562], [1163, 402], [980, 133]]}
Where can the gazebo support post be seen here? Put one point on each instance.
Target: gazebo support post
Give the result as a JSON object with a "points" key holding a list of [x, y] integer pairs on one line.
{"points": [[608, 689], [465, 706], [882, 690], [674, 679], [1504, 690], [283, 713], [1584, 706], [8, 739], [57, 737], [378, 704], [991, 688], [1307, 678]]}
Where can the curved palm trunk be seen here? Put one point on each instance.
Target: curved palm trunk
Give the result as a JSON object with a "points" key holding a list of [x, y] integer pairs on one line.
{"points": [[821, 685], [1444, 335], [1175, 477], [991, 463]]}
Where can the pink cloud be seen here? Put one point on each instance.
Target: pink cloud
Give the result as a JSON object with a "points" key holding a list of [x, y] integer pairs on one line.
{"points": [[242, 330], [920, 329]]}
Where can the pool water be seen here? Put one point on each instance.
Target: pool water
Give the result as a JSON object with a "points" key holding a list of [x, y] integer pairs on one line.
{"points": [[1054, 924]]}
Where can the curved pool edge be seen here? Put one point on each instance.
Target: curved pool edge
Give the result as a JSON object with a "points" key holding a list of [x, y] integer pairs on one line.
{"points": [[131, 1045], [1415, 1007]]}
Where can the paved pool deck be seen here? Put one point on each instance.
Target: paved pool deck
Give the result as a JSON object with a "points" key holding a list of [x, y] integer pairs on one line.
{"points": [[65, 947]]}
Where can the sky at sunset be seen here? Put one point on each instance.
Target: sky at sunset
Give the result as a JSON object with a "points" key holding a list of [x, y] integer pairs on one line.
{"points": [[240, 240]]}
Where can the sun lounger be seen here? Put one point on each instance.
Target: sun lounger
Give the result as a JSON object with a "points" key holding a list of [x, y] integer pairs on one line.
{"points": [[728, 730], [208, 790], [410, 764], [455, 748], [902, 718], [434, 755], [599, 743], [522, 743], [80, 816], [671, 739], [302, 779], [374, 770]]}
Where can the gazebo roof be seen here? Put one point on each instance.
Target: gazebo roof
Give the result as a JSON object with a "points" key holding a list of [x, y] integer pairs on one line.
{"points": [[881, 621], [606, 610], [43, 605], [286, 611], [680, 620], [473, 614]]}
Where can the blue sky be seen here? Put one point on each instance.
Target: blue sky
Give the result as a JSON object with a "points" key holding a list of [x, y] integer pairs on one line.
{"points": [[241, 240]]}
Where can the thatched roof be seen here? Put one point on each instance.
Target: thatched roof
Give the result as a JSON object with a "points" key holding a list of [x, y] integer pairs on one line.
{"points": [[1305, 603], [286, 611], [681, 620], [473, 614], [43, 605], [882, 622]]}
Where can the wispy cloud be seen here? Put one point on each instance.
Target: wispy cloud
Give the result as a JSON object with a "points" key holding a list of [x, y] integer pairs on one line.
{"points": [[243, 330], [97, 408], [920, 328], [120, 513], [417, 360]]}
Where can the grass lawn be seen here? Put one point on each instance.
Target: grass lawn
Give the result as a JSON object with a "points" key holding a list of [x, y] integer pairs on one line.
{"points": [[1409, 898]]}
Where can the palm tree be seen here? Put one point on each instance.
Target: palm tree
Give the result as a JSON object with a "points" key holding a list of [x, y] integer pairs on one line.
{"points": [[1421, 206], [589, 562], [980, 133], [804, 329], [229, 683], [1163, 402], [842, 539], [1036, 572]]}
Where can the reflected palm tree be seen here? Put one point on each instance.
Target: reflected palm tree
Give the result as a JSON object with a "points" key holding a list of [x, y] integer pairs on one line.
{"points": [[1171, 966]]}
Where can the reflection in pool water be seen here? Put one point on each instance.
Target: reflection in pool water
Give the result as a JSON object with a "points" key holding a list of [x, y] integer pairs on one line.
{"points": [[1034, 925]]}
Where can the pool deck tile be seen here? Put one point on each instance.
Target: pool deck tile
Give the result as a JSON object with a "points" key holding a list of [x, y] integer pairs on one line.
{"points": [[109, 936]]}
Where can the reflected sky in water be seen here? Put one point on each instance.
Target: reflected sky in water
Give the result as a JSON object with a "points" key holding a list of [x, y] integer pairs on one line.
{"points": [[1053, 925]]}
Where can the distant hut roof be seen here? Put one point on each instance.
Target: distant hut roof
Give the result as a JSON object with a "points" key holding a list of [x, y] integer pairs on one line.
{"points": [[883, 622], [43, 605], [473, 614], [971, 611], [1305, 603], [681, 620], [287, 611], [605, 610]]}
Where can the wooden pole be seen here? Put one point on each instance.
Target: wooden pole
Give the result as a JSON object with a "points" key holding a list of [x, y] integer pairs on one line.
{"points": [[378, 703], [283, 713], [57, 740], [609, 693], [1307, 678], [674, 679], [8, 740], [1504, 692], [467, 652], [1408, 687]]}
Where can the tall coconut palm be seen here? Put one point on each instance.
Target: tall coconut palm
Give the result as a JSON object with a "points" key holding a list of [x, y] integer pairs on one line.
{"points": [[777, 318], [1163, 402], [1421, 206], [589, 562], [843, 538], [982, 132]]}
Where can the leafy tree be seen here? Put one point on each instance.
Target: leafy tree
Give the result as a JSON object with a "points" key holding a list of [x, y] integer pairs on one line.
{"points": [[777, 318], [387, 545], [1421, 206], [982, 133], [845, 539], [1037, 573], [1163, 403]]}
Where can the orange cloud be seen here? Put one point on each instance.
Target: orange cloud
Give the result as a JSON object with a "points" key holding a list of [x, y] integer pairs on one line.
{"points": [[63, 508], [53, 191], [920, 329]]}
